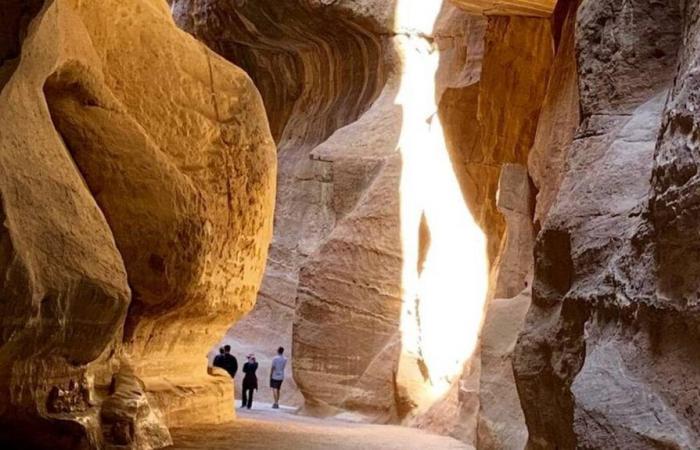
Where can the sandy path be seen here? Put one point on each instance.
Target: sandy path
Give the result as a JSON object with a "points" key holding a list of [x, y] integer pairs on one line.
{"points": [[268, 429]]}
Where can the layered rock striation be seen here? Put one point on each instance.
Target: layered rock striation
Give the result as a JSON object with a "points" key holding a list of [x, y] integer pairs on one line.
{"points": [[349, 100], [531, 8], [318, 68]]}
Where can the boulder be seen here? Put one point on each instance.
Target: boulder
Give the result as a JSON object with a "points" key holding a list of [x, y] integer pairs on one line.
{"points": [[136, 199]]}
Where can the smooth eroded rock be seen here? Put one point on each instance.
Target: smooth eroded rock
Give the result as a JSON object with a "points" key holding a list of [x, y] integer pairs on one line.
{"points": [[138, 172]]}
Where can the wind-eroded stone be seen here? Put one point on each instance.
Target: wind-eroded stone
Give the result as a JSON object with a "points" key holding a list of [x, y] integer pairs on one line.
{"points": [[318, 67], [114, 168], [337, 261], [601, 361]]}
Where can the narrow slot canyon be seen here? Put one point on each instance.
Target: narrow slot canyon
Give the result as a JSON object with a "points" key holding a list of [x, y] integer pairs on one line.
{"points": [[469, 224]]}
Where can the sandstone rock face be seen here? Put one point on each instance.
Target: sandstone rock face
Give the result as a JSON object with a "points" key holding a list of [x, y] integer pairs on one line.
{"points": [[604, 359], [344, 88], [124, 184], [422, 146], [501, 423], [127, 418], [559, 116], [536, 8], [318, 68], [518, 56], [522, 49]]}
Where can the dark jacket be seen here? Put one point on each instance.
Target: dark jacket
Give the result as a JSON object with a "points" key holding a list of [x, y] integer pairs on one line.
{"points": [[229, 364], [250, 380], [219, 360]]}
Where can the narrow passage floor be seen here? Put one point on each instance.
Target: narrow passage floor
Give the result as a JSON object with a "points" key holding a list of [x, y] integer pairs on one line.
{"points": [[265, 428]]}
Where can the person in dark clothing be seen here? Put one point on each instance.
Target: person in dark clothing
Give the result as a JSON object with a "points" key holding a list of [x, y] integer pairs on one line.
{"points": [[219, 359], [250, 382], [230, 364]]}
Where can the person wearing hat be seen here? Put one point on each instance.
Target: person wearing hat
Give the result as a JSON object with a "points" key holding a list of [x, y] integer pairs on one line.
{"points": [[250, 382]]}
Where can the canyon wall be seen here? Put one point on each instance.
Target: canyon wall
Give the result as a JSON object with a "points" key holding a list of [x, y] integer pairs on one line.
{"points": [[318, 69], [596, 101], [608, 355], [348, 101], [484, 227], [136, 204]]}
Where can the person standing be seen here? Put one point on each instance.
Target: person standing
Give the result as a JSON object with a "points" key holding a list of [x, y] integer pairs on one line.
{"points": [[279, 362], [250, 382], [229, 362], [219, 359]]}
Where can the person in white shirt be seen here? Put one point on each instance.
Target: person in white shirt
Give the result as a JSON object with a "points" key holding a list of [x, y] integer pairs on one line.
{"points": [[279, 362]]}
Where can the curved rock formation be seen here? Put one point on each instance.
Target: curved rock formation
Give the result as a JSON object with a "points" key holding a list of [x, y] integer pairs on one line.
{"points": [[318, 68], [422, 147], [337, 262], [124, 184]]}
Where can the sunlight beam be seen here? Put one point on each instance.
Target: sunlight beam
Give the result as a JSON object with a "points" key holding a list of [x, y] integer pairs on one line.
{"points": [[443, 303]]}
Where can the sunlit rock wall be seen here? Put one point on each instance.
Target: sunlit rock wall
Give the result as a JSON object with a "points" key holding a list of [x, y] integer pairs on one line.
{"points": [[136, 195], [489, 123], [531, 8]]}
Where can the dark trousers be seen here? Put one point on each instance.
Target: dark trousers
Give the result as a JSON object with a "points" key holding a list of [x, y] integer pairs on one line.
{"points": [[247, 398]]}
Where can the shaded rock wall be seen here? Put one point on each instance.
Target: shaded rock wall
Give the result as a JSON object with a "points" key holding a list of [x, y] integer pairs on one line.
{"points": [[124, 185], [599, 363], [559, 115], [331, 77], [318, 68]]}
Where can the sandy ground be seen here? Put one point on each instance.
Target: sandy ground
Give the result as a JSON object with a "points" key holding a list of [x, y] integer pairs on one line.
{"points": [[265, 428]]}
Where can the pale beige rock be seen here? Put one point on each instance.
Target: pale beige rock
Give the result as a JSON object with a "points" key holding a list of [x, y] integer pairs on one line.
{"points": [[318, 67], [513, 267], [501, 420]]}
